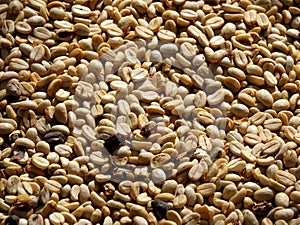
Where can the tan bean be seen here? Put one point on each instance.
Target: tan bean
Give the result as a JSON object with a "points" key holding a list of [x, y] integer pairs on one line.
{"points": [[232, 84], [285, 178], [206, 189], [237, 73], [215, 22], [281, 104], [240, 58], [262, 20], [81, 11], [264, 193], [25, 142], [56, 218], [191, 218], [18, 64], [249, 217], [196, 172], [258, 118], [239, 110], [228, 30], [40, 162], [53, 186], [284, 214], [273, 124], [239, 196], [270, 79], [23, 27], [166, 35], [6, 128], [37, 54], [295, 196], [282, 199], [144, 32], [197, 34], [41, 33], [158, 175], [174, 216], [250, 17]]}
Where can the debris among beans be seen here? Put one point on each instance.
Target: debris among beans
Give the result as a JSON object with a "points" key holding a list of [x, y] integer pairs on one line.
{"points": [[160, 208]]}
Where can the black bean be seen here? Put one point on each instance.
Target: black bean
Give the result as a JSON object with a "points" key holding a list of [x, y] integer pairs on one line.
{"points": [[146, 131], [160, 208], [12, 220], [54, 138], [53, 134], [296, 212], [113, 142]]}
